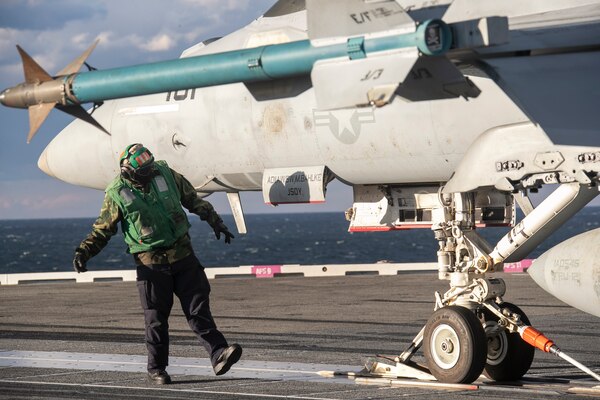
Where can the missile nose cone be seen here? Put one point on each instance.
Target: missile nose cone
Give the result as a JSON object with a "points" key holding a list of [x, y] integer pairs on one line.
{"points": [[2, 96], [570, 271], [537, 272], [43, 163]]}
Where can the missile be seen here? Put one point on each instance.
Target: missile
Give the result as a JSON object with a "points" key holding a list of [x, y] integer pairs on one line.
{"points": [[570, 271], [40, 92]]}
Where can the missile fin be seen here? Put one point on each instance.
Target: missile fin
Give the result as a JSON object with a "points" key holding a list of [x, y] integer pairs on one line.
{"points": [[436, 78], [79, 112], [32, 70], [371, 80], [346, 18], [35, 74], [37, 116], [76, 64]]}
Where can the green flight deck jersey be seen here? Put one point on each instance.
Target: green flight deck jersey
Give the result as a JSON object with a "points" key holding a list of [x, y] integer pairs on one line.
{"points": [[153, 221]]}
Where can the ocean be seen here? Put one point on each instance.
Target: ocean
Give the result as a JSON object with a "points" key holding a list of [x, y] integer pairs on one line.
{"points": [[272, 239]]}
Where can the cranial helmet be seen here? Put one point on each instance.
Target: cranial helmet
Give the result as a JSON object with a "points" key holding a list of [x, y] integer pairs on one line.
{"points": [[137, 163]]}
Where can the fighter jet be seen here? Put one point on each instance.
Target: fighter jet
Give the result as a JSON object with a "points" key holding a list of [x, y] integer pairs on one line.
{"points": [[439, 114]]}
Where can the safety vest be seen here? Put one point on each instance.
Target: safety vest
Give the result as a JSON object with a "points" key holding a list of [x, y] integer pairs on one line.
{"points": [[153, 220]]}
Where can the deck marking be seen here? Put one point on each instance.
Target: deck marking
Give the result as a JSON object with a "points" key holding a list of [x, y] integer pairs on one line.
{"points": [[264, 370], [152, 388]]}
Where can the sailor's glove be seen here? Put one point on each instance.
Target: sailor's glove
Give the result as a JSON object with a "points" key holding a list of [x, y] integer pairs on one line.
{"points": [[80, 261], [221, 228]]}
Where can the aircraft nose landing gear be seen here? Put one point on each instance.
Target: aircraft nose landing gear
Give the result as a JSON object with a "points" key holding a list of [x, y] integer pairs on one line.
{"points": [[472, 330]]}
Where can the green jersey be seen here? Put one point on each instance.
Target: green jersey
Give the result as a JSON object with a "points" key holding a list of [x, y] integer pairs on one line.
{"points": [[154, 224]]}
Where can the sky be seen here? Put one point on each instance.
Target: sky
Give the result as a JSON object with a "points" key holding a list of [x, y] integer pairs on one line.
{"points": [[130, 32]]}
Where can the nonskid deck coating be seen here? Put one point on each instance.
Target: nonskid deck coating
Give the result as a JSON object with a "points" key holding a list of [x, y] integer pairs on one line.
{"points": [[298, 324]]}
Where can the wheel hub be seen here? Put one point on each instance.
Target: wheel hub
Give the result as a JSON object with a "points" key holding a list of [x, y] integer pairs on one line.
{"points": [[446, 346], [497, 343]]}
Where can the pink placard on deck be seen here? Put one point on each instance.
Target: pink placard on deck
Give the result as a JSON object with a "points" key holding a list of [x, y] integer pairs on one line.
{"points": [[520, 266], [266, 271]]}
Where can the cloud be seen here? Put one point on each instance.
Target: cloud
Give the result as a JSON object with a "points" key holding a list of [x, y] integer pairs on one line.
{"points": [[160, 42], [55, 33], [8, 39], [131, 32], [5, 204], [218, 4], [15, 70], [81, 39]]}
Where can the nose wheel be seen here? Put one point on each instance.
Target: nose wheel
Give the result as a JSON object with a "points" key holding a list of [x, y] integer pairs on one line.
{"points": [[508, 356], [473, 330], [455, 345]]}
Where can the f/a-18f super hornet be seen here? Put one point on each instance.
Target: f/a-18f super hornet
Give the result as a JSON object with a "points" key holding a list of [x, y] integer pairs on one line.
{"points": [[440, 114]]}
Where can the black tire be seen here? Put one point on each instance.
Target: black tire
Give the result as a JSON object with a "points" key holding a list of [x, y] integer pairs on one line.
{"points": [[455, 345], [508, 356]]}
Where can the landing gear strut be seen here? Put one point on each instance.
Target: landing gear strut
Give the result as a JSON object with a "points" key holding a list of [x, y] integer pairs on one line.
{"points": [[472, 329]]}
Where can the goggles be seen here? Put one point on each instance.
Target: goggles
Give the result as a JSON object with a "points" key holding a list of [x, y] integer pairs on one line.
{"points": [[136, 156]]}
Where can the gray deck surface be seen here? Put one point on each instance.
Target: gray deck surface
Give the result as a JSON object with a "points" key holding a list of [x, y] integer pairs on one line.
{"points": [[86, 341]]}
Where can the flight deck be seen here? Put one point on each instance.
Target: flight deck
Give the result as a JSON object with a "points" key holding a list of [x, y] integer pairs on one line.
{"points": [[303, 338]]}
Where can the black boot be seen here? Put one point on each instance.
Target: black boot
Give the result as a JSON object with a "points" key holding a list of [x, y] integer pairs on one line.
{"points": [[227, 358], [159, 377]]}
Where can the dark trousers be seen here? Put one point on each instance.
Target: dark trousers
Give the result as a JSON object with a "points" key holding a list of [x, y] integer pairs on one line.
{"points": [[156, 285]]}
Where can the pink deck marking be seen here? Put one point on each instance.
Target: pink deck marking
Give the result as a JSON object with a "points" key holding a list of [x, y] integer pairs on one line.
{"points": [[518, 267], [266, 271]]}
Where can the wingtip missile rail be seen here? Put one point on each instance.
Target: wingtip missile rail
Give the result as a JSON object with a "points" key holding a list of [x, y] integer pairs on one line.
{"points": [[71, 88]]}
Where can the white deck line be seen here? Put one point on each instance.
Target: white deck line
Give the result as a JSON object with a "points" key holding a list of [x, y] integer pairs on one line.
{"points": [[246, 369], [212, 273]]}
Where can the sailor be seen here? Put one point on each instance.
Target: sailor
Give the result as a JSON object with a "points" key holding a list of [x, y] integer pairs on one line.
{"points": [[146, 198]]}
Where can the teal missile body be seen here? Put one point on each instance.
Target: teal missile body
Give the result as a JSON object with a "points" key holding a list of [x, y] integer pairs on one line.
{"points": [[263, 63], [248, 65]]}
